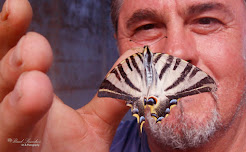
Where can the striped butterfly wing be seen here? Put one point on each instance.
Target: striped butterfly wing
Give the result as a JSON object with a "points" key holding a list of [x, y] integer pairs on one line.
{"points": [[176, 79], [156, 80], [125, 82]]}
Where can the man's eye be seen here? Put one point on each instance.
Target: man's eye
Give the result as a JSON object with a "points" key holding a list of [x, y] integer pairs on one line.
{"points": [[146, 27], [148, 33], [206, 25], [207, 21]]}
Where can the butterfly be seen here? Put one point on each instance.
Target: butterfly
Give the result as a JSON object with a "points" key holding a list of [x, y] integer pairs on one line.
{"points": [[156, 80]]}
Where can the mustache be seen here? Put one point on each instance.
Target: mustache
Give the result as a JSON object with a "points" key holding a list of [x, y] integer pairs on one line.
{"points": [[185, 133]]}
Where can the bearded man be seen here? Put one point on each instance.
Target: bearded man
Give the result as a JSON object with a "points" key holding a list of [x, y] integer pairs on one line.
{"points": [[206, 34], [210, 34]]}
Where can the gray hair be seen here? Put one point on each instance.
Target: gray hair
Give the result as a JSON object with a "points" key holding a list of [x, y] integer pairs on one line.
{"points": [[115, 10]]}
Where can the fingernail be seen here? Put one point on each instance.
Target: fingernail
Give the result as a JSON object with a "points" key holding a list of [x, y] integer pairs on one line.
{"points": [[16, 58], [5, 11]]}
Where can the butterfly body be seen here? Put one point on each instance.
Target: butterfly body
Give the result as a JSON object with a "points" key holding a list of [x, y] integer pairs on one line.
{"points": [[156, 80]]}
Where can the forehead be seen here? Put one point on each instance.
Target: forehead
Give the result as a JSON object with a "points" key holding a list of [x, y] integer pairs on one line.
{"points": [[172, 6]]}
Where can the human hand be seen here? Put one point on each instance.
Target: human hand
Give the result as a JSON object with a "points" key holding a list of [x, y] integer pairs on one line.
{"points": [[28, 107]]}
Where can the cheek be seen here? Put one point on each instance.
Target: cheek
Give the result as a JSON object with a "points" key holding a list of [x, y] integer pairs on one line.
{"points": [[222, 55], [223, 59], [124, 45]]}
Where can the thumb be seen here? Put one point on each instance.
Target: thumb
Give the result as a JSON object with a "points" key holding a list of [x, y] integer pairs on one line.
{"points": [[110, 110]]}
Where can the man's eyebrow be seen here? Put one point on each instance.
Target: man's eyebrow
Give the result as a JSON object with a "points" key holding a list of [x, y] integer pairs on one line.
{"points": [[140, 15], [197, 9]]}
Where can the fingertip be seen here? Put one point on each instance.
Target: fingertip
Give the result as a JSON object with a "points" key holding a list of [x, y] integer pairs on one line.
{"points": [[15, 19], [18, 12], [22, 108], [32, 52], [29, 101], [33, 93], [36, 52]]}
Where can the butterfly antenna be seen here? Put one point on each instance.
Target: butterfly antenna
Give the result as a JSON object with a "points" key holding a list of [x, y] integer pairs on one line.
{"points": [[147, 45], [157, 40], [138, 49]]}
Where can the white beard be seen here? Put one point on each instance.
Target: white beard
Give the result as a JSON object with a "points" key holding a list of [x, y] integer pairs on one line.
{"points": [[182, 135]]}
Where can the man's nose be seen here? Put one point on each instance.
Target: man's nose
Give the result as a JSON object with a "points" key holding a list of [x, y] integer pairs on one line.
{"points": [[181, 43]]}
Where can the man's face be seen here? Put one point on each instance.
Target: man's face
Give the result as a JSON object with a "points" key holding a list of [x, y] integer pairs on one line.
{"points": [[209, 34]]}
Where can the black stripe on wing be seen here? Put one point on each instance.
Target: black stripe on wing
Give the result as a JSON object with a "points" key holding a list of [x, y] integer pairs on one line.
{"points": [[128, 64], [127, 80], [182, 77], [178, 60], [114, 71], [134, 63], [107, 89], [166, 66], [140, 57], [207, 80], [197, 88], [158, 56], [194, 72], [189, 93]]}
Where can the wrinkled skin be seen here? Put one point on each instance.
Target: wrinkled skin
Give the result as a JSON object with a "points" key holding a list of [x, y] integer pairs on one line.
{"points": [[29, 109], [213, 40]]}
